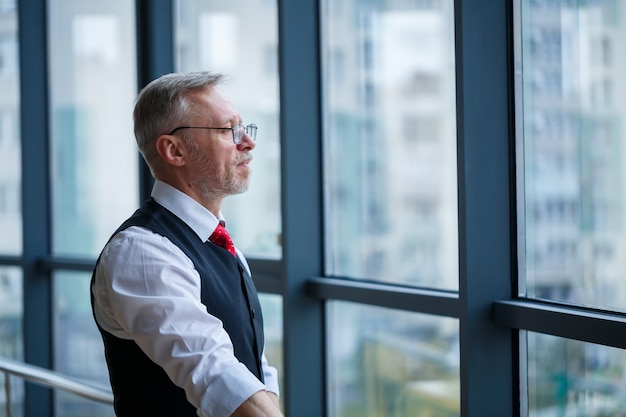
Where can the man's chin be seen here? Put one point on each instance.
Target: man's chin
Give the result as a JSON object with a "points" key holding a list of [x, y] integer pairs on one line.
{"points": [[241, 188]]}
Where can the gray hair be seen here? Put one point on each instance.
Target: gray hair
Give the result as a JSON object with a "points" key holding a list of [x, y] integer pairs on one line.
{"points": [[163, 104]]}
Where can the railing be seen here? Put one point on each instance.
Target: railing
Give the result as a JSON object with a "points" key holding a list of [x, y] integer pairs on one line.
{"points": [[51, 379]]}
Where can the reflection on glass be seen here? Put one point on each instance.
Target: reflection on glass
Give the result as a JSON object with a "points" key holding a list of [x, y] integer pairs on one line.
{"points": [[78, 346], [272, 306], [240, 39], [11, 338], [391, 363], [93, 152], [10, 151], [574, 88], [571, 378], [390, 141]]}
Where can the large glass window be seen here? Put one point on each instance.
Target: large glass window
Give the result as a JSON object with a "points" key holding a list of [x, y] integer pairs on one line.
{"points": [[574, 186], [10, 150], [94, 165], [11, 278], [572, 378], [240, 39], [79, 351], [272, 306], [390, 201], [384, 362], [11, 336], [390, 141], [572, 107], [92, 91]]}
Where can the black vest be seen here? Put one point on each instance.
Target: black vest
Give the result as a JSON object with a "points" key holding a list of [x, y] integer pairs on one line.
{"points": [[140, 386]]}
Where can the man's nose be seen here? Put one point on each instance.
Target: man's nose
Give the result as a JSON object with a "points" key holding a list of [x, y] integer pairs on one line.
{"points": [[246, 142]]}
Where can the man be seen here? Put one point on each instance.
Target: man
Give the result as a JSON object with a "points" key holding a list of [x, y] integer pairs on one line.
{"points": [[179, 315]]}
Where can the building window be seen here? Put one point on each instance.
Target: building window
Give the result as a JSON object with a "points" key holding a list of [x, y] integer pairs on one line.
{"points": [[573, 239]]}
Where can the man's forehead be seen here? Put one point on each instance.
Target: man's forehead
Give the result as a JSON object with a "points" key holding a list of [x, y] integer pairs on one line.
{"points": [[215, 105]]}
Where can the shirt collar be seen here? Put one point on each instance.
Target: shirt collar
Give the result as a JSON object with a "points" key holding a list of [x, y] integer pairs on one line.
{"points": [[201, 220]]}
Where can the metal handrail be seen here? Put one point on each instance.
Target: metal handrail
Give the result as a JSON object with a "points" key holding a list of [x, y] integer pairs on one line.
{"points": [[52, 379]]}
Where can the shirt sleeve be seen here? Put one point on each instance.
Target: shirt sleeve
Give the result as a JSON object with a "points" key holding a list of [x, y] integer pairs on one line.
{"points": [[146, 289], [270, 376]]}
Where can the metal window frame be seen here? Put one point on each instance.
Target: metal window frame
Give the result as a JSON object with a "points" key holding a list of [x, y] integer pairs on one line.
{"points": [[486, 173], [36, 205], [301, 205]]}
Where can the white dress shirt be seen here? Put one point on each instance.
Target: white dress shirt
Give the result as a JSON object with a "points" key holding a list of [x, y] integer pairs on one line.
{"points": [[146, 289]]}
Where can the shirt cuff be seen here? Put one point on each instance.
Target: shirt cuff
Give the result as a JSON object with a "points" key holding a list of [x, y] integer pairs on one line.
{"points": [[271, 380], [228, 391]]}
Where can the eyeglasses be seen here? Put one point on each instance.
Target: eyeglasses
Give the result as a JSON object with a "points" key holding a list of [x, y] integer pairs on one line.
{"points": [[238, 131]]}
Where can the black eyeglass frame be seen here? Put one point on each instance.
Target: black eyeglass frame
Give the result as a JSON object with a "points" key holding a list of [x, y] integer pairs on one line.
{"points": [[249, 130]]}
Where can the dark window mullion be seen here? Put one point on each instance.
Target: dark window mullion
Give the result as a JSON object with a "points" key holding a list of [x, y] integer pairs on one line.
{"points": [[400, 297], [36, 194], [155, 57], [9, 260], [301, 196], [571, 322], [489, 376], [266, 275]]}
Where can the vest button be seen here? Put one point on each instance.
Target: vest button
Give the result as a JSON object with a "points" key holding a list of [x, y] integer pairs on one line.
{"points": [[253, 313]]}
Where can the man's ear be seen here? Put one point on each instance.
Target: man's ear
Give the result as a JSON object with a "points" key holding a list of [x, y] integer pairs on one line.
{"points": [[171, 148]]}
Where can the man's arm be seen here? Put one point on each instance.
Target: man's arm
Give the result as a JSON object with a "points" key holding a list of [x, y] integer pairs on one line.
{"points": [[274, 399], [260, 404]]}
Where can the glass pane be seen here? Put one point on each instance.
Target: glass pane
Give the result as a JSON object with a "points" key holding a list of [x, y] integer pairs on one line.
{"points": [[272, 306], [78, 347], [240, 39], [574, 172], [572, 378], [10, 150], [390, 141], [386, 362], [11, 337], [92, 91]]}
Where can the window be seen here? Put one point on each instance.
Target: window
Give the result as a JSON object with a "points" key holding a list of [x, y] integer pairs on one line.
{"points": [[390, 137], [390, 203], [11, 335], [382, 123], [79, 351], [240, 40], [10, 145], [8, 52], [573, 236], [574, 173], [94, 157], [11, 277], [94, 166], [570, 377], [385, 362]]}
